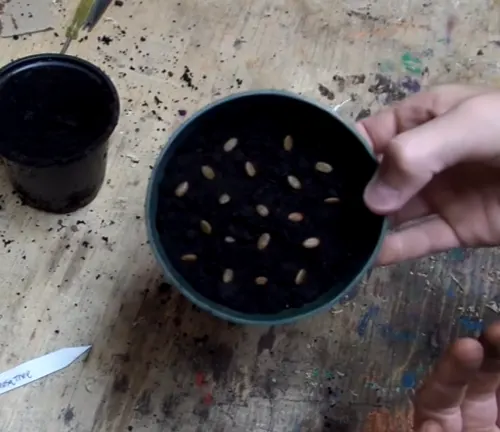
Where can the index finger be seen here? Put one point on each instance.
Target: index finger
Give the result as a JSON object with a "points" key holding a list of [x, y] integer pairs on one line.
{"points": [[443, 391], [414, 111]]}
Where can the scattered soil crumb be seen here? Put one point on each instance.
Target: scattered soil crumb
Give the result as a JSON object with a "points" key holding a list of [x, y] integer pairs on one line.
{"points": [[326, 92]]}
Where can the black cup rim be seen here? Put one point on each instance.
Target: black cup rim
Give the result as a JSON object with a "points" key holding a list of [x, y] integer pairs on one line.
{"points": [[30, 61]]}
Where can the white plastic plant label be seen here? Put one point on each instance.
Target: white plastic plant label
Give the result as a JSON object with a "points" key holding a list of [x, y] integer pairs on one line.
{"points": [[40, 367]]}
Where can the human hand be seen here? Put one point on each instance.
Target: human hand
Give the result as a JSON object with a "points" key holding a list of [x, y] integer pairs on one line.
{"points": [[439, 178], [462, 393]]}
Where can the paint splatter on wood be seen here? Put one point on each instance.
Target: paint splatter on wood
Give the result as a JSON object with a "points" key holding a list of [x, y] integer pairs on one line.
{"points": [[412, 63], [366, 318]]}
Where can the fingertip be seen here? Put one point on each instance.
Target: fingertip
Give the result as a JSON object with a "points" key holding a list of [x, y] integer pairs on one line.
{"points": [[493, 333], [468, 353], [379, 128], [391, 251], [380, 197], [360, 127], [425, 237], [490, 340], [431, 426]]}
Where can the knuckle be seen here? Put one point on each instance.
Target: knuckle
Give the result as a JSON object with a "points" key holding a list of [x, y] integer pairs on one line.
{"points": [[402, 156], [444, 97], [440, 102]]}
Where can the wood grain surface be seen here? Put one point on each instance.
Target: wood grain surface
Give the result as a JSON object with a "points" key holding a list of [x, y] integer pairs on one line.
{"points": [[157, 362]]}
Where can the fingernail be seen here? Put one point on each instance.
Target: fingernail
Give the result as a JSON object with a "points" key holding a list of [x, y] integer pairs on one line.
{"points": [[380, 196]]}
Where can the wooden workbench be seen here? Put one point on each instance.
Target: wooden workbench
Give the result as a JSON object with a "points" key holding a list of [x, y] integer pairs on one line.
{"points": [[158, 363]]}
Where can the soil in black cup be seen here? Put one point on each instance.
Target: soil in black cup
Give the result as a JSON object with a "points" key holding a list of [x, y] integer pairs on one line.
{"points": [[57, 113], [260, 204]]}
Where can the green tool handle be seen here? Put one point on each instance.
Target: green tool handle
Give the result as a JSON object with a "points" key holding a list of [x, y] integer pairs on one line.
{"points": [[79, 19]]}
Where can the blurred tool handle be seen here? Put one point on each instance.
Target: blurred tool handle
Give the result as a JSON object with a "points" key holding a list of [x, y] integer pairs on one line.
{"points": [[87, 15]]}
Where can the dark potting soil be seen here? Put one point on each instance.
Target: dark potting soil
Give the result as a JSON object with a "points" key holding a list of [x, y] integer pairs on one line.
{"points": [[347, 230], [52, 112]]}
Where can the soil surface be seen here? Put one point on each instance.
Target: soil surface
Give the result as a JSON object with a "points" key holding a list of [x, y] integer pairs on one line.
{"points": [[52, 113], [347, 230]]}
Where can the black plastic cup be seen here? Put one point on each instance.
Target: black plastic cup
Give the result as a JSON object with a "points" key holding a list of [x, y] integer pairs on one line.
{"points": [[57, 113]]}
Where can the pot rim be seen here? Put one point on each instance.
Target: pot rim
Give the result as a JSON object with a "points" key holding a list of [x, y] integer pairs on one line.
{"points": [[177, 280]]}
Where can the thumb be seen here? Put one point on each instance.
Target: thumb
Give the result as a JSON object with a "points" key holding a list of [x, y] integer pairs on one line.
{"points": [[468, 132]]}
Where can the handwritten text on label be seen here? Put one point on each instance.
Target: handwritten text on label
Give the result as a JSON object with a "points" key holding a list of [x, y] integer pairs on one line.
{"points": [[13, 382]]}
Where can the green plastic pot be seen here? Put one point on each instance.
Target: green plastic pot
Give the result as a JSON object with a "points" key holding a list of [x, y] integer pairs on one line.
{"points": [[322, 303]]}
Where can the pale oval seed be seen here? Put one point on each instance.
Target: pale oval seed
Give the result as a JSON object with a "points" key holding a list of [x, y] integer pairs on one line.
{"points": [[323, 167], [182, 189], [250, 169], [288, 143], [262, 210], [229, 239], [261, 280], [230, 144], [227, 276], [263, 241], [296, 217], [208, 172], [294, 182], [311, 242], [224, 199], [189, 257], [332, 200], [300, 277], [205, 227]]}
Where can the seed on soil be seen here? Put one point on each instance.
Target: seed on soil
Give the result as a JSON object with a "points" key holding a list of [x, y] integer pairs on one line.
{"points": [[262, 210], [227, 276], [250, 169], [311, 242], [263, 241], [230, 144], [224, 199], [189, 257], [294, 182], [323, 167], [288, 143], [295, 217], [331, 200], [208, 172], [182, 189], [261, 280], [300, 277], [229, 239], [205, 227]]}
